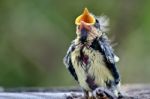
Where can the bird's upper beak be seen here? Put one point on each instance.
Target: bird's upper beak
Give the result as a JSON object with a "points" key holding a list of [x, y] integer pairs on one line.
{"points": [[85, 19]]}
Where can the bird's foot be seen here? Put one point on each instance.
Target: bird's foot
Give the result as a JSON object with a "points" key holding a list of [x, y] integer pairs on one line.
{"points": [[123, 95], [120, 95], [103, 93]]}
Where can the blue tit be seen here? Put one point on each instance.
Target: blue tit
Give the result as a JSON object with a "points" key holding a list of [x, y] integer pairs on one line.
{"points": [[90, 58]]}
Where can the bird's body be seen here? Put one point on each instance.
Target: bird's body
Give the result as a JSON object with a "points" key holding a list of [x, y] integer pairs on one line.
{"points": [[91, 60], [90, 65]]}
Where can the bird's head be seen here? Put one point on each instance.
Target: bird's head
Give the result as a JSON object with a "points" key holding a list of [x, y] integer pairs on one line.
{"points": [[87, 26]]}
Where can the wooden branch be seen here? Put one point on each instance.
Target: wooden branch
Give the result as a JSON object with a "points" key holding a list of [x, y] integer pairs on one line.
{"points": [[137, 91]]}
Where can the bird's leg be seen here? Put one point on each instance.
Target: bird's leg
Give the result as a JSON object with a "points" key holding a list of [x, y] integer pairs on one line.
{"points": [[87, 95]]}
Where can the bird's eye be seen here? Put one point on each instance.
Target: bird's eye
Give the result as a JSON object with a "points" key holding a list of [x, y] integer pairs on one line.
{"points": [[97, 25], [97, 21]]}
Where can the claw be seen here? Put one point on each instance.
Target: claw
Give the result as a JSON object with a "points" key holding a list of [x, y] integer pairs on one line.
{"points": [[100, 94], [103, 93]]}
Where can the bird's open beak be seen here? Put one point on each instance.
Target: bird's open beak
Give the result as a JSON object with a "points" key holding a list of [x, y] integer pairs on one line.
{"points": [[85, 18]]}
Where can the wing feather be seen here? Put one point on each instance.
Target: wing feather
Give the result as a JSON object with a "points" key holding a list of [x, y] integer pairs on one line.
{"points": [[109, 56], [68, 63]]}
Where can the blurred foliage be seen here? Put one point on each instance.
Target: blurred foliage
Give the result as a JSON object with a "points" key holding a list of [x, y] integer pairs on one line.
{"points": [[35, 35]]}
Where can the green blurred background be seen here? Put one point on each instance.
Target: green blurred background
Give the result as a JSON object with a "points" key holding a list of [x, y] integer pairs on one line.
{"points": [[35, 35]]}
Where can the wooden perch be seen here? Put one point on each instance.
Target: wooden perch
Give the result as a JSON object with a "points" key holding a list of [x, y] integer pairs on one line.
{"points": [[133, 92]]}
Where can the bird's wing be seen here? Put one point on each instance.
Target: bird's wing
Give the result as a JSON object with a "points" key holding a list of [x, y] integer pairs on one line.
{"points": [[109, 56], [68, 63]]}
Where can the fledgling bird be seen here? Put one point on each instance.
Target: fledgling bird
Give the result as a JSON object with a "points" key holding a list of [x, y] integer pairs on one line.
{"points": [[90, 59]]}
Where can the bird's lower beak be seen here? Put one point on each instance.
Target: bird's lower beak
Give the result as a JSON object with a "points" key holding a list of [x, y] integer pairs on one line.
{"points": [[85, 17], [84, 25]]}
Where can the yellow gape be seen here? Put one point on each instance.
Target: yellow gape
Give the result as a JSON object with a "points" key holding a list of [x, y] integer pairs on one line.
{"points": [[86, 17]]}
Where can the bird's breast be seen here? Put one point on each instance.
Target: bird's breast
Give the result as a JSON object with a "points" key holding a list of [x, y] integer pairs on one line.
{"points": [[89, 62]]}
